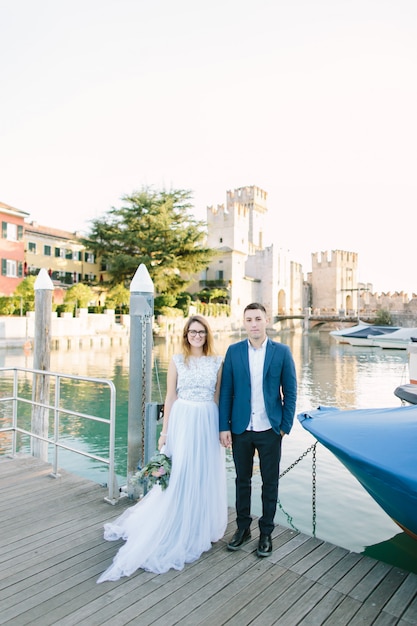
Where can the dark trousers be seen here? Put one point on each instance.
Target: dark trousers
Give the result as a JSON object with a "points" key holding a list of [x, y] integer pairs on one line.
{"points": [[268, 445]]}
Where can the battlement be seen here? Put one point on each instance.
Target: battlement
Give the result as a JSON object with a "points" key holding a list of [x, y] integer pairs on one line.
{"points": [[248, 194], [334, 259]]}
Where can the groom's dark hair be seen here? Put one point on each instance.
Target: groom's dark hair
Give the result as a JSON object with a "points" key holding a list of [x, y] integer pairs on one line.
{"points": [[254, 306]]}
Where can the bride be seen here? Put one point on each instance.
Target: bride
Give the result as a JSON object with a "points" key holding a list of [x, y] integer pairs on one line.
{"points": [[168, 528]]}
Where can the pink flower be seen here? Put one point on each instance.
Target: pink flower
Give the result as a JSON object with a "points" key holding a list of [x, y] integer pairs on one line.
{"points": [[159, 472]]}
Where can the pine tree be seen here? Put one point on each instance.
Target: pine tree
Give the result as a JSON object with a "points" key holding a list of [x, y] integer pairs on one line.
{"points": [[154, 228]]}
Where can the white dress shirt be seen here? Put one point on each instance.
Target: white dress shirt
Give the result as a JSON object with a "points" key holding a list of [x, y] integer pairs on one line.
{"points": [[258, 420]]}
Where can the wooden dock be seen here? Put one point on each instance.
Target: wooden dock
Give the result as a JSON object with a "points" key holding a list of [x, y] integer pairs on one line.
{"points": [[52, 553]]}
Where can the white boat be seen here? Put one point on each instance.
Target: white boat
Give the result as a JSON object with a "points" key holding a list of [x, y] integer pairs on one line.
{"points": [[366, 337], [408, 392], [398, 340], [341, 334], [361, 334]]}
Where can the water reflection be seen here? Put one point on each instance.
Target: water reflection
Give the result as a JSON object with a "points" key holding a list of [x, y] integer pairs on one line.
{"points": [[328, 373]]}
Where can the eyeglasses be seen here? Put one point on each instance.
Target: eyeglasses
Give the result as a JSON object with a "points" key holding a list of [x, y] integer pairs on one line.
{"points": [[200, 333]]}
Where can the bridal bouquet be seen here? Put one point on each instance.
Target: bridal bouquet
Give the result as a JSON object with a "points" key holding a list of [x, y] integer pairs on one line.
{"points": [[156, 472]]}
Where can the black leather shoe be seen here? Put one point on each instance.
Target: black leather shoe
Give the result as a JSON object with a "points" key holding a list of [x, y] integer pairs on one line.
{"points": [[264, 545], [239, 538]]}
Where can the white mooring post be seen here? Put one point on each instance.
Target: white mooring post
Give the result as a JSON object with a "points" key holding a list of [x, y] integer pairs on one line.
{"points": [[41, 361], [140, 369]]}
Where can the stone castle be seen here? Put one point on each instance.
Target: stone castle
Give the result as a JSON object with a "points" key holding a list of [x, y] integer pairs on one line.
{"points": [[250, 271]]}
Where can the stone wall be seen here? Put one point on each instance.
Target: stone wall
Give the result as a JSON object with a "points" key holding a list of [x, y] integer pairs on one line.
{"points": [[67, 329]]}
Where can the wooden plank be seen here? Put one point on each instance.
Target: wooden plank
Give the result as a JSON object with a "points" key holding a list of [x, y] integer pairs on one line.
{"points": [[313, 559], [302, 550], [343, 613], [186, 597], [410, 613], [338, 571], [236, 600], [53, 552], [148, 590], [284, 603], [403, 598], [355, 575], [254, 605], [363, 589], [374, 603], [323, 610]]}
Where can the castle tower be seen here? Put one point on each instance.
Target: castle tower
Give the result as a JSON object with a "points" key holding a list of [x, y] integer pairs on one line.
{"points": [[334, 281], [240, 225], [236, 232]]}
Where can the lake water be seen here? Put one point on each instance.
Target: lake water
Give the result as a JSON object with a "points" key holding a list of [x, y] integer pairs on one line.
{"points": [[331, 374]]}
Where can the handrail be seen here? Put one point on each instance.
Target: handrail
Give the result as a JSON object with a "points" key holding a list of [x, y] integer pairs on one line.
{"points": [[113, 490]]}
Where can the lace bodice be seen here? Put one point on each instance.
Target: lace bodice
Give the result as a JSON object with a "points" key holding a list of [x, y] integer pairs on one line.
{"points": [[197, 379]]}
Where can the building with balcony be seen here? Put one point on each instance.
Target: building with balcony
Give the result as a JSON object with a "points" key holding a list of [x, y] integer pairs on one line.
{"points": [[61, 253]]}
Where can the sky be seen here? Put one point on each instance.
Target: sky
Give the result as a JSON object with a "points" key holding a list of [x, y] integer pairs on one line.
{"points": [[314, 101]]}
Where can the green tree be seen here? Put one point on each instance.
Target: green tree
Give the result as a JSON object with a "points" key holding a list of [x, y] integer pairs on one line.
{"points": [[383, 318], [118, 298], [8, 305], [25, 294], [154, 228], [78, 296], [184, 300]]}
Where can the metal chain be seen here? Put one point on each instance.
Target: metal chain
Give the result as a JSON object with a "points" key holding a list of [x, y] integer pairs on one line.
{"points": [[313, 489], [304, 454], [147, 321], [313, 486]]}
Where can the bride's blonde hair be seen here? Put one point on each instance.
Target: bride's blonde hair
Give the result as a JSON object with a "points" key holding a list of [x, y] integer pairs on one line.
{"points": [[208, 347]]}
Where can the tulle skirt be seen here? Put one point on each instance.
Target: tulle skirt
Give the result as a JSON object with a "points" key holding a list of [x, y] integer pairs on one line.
{"points": [[167, 529]]}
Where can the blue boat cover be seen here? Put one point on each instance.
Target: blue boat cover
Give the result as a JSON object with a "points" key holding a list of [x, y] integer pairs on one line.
{"points": [[379, 447]]}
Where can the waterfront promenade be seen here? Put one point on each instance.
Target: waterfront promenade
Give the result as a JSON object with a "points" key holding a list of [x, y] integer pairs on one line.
{"points": [[52, 553]]}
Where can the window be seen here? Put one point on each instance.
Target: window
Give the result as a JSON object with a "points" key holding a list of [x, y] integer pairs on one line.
{"points": [[89, 257], [9, 231], [68, 254], [60, 253], [32, 247], [11, 269], [12, 232], [219, 274], [77, 255], [47, 250]]}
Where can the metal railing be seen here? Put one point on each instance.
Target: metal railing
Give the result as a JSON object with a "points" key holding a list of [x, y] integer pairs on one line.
{"points": [[58, 411]]}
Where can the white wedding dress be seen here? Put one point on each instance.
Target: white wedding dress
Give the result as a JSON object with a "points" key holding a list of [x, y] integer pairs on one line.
{"points": [[167, 529]]}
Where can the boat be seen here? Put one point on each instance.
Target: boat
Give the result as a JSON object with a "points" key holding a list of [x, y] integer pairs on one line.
{"points": [[361, 334], [366, 336], [398, 340], [378, 447], [408, 392], [340, 335]]}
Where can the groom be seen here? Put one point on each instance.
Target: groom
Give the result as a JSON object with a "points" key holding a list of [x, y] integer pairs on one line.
{"points": [[256, 409]]}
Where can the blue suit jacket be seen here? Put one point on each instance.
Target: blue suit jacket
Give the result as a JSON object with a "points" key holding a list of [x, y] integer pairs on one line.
{"points": [[279, 387]]}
